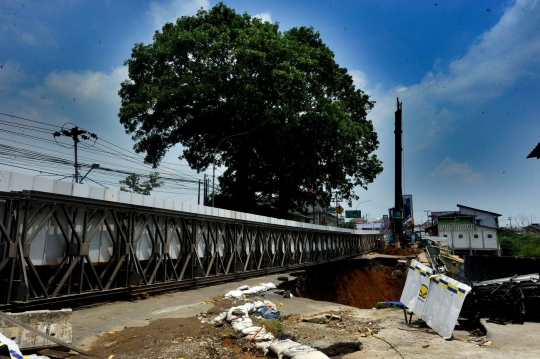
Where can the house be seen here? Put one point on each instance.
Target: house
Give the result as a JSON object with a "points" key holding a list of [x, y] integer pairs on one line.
{"points": [[469, 230], [533, 228]]}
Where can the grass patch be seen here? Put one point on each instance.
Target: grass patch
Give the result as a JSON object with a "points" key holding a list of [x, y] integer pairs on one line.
{"points": [[273, 326], [382, 305], [230, 333], [516, 244]]}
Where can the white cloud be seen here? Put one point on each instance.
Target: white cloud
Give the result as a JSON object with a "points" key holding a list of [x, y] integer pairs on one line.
{"points": [[359, 79], [87, 98], [264, 16], [452, 171], [169, 12], [496, 61]]}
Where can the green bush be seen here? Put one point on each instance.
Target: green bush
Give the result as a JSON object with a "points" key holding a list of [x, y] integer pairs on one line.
{"points": [[519, 245]]}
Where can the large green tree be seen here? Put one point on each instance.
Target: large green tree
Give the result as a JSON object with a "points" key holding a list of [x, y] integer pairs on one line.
{"points": [[218, 74]]}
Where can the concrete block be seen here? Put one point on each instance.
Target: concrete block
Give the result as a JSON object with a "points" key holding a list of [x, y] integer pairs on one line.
{"points": [[125, 197], [148, 201], [4, 180], [177, 206], [111, 195], [97, 193], [63, 187], [159, 202], [20, 182], [186, 207], [137, 199], [56, 323], [43, 184], [80, 190], [169, 204]]}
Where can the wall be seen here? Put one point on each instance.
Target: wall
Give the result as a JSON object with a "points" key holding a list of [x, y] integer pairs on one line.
{"points": [[486, 219], [467, 232]]}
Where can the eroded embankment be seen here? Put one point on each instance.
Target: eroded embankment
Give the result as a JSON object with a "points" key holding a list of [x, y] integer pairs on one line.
{"points": [[360, 283]]}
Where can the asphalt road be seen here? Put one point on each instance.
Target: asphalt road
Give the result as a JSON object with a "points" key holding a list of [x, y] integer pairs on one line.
{"points": [[89, 323]]}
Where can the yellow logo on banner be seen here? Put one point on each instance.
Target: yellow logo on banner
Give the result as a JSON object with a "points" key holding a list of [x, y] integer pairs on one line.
{"points": [[423, 291]]}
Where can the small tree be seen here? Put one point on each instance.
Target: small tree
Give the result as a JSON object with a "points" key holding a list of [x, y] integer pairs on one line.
{"points": [[133, 184]]}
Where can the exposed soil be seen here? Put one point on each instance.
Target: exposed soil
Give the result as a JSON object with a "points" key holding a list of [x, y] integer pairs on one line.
{"points": [[403, 251], [351, 284]]}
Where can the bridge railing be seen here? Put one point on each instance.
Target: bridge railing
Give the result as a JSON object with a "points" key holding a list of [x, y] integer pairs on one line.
{"points": [[56, 247]]}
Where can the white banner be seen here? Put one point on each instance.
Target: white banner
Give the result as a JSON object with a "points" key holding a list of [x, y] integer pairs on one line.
{"points": [[436, 299]]}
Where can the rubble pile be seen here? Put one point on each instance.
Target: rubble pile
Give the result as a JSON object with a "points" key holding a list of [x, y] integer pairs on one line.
{"points": [[239, 318]]}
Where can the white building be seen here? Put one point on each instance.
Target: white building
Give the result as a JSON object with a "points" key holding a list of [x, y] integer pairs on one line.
{"points": [[469, 230]]}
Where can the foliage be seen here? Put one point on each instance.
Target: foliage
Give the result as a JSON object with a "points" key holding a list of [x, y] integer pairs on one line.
{"points": [[210, 77], [517, 244], [230, 333], [133, 184], [349, 225], [381, 305], [273, 326]]}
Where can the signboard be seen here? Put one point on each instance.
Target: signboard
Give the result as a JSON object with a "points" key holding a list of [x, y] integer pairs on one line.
{"points": [[353, 214], [330, 210], [397, 214], [339, 209], [407, 207]]}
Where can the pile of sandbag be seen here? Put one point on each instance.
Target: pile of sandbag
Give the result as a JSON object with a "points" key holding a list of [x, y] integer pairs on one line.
{"points": [[239, 319], [247, 290], [290, 349]]}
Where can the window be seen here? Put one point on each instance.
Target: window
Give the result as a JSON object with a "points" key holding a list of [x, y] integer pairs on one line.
{"points": [[476, 236], [490, 236], [460, 236]]}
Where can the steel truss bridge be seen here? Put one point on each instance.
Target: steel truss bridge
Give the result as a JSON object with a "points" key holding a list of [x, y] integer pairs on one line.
{"points": [[59, 248]]}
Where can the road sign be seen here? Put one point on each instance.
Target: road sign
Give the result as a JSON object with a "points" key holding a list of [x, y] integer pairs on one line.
{"points": [[330, 209], [353, 214], [339, 209]]}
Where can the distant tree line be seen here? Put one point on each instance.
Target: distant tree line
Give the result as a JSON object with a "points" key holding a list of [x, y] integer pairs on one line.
{"points": [[514, 243]]}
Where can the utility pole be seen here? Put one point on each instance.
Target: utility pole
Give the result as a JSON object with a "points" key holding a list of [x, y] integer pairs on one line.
{"points": [[510, 218], [74, 133], [398, 194], [427, 211], [199, 194]]}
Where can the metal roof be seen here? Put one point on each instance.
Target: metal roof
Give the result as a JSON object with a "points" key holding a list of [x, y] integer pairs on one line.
{"points": [[481, 210]]}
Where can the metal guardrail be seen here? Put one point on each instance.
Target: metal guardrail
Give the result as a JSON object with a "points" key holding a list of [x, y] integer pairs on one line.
{"points": [[57, 247]]}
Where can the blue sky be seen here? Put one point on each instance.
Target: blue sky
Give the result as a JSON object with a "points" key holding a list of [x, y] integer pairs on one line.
{"points": [[467, 73]]}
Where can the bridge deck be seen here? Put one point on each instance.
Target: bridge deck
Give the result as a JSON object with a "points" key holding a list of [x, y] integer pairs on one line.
{"points": [[56, 247]]}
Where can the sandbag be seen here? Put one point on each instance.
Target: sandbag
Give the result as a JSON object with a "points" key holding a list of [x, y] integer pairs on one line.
{"points": [[237, 294], [237, 312], [295, 350], [258, 304], [243, 323], [263, 346], [253, 330], [312, 355], [278, 347], [220, 317], [266, 337], [250, 307]]}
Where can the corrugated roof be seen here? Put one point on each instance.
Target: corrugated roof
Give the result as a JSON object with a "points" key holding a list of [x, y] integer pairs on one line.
{"points": [[481, 210]]}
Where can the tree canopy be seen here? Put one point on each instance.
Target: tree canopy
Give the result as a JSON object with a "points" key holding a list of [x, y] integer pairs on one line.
{"points": [[133, 184], [219, 74]]}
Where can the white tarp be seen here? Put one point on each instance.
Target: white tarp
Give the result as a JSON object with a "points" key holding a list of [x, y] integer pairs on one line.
{"points": [[436, 299]]}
